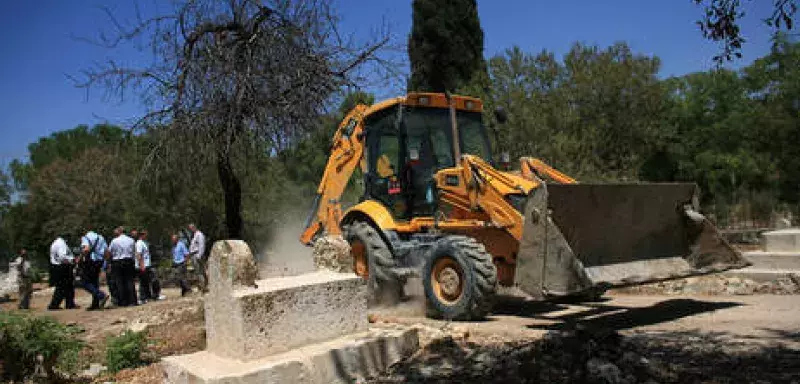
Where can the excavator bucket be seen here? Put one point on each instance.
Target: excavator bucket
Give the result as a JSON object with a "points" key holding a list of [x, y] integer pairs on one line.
{"points": [[583, 237]]}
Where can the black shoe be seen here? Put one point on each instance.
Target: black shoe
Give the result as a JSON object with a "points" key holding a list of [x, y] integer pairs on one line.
{"points": [[74, 307], [92, 308], [103, 302], [51, 308]]}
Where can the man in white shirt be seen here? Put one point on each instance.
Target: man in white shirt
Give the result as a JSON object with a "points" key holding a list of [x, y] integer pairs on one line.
{"points": [[197, 250], [149, 286], [93, 249], [61, 275], [121, 253]]}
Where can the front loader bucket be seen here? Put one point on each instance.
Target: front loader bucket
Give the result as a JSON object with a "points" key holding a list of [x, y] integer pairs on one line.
{"points": [[579, 237]]}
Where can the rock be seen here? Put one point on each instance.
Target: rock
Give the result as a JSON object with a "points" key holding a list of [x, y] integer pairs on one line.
{"points": [[9, 282], [602, 371], [333, 253], [94, 370], [138, 326]]}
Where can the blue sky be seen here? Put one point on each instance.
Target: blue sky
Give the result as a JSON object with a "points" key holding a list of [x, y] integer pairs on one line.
{"points": [[39, 50]]}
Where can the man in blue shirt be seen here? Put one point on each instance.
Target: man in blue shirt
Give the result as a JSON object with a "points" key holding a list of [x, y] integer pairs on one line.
{"points": [[179, 253], [93, 248]]}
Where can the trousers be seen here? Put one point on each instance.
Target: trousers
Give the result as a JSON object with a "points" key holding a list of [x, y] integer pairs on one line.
{"points": [[124, 272], [63, 279], [149, 286]]}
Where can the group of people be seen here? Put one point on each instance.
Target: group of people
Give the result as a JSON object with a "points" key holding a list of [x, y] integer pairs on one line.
{"points": [[124, 259]]}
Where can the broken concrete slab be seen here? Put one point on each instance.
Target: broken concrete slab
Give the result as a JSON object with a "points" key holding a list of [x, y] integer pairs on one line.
{"points": [[773, 260], [343, 360], [249, 319], [783, 240]]}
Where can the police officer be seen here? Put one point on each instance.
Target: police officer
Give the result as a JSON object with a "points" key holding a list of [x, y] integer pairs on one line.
{"points": [[121, 253], [24, 274], [61, 275], [93, 248]]}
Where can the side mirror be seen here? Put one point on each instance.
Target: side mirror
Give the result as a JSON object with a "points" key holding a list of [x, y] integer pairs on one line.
{"points": [[500, 115]]}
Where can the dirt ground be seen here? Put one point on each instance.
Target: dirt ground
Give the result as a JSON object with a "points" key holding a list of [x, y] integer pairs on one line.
{"points": [[624, 338], [173, 326]]}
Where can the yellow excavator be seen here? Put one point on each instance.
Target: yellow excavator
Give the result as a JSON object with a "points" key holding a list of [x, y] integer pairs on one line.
{"points": [[435, 207]]}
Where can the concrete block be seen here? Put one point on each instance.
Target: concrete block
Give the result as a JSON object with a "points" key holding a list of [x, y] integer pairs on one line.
{"points": [[774, 260], [761, 275], [249, 319], [343, 360], [784, 240]]}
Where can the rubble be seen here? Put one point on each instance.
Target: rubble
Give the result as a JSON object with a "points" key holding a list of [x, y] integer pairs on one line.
{"points": [[719, 285], [333, 253]]}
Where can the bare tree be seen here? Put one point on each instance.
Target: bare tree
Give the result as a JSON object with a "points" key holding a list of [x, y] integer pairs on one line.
{"points": [[231, 71]]}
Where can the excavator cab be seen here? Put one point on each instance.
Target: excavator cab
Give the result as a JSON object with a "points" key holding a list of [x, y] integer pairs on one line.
{"points": [[407, 145]]}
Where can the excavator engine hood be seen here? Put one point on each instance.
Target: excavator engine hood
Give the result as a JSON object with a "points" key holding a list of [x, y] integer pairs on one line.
{"points": [[579, 237]]}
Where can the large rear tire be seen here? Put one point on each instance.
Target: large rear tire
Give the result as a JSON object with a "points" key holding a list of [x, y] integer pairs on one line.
{"points": [[373, 261], [460, 279]]}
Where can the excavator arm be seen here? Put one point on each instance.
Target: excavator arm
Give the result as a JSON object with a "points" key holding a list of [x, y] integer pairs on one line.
{"points": [[347, 151], [531, 166]]}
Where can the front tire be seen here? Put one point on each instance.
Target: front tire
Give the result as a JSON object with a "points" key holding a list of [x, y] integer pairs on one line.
{"points": [[373, 261], [460, 279]]}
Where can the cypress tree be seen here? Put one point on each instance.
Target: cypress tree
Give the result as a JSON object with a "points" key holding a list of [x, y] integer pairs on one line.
{"points": [[445, 46]]}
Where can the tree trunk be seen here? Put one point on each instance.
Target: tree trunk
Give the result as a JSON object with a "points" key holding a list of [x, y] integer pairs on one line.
{"points": [[232, 192]]}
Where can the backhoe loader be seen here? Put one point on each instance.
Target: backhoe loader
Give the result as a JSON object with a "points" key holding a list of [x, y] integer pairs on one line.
{"points": [[435, 207]]}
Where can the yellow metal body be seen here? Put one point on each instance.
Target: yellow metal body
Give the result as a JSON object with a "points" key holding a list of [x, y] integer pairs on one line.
{"points": [[472, 195]]}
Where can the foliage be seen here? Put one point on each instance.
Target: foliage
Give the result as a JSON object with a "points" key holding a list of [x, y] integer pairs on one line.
{"points": [[23, 338], [445, 46], [721, 20], [125, 351], [592, 115]]}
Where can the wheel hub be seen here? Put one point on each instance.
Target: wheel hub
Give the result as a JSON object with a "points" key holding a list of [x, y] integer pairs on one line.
{"points": [[447, 280]]}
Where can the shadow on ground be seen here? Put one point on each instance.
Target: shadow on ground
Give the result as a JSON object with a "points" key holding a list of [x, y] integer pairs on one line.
{"points": [[606, 316], [604, 356], [586, 347]]}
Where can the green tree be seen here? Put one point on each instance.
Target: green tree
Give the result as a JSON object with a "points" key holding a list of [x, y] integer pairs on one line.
{"points": [[594, 115], [445, 46], [66, 145]]}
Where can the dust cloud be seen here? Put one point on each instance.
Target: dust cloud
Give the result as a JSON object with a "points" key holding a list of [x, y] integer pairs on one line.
{"points": [[283, 254]]}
